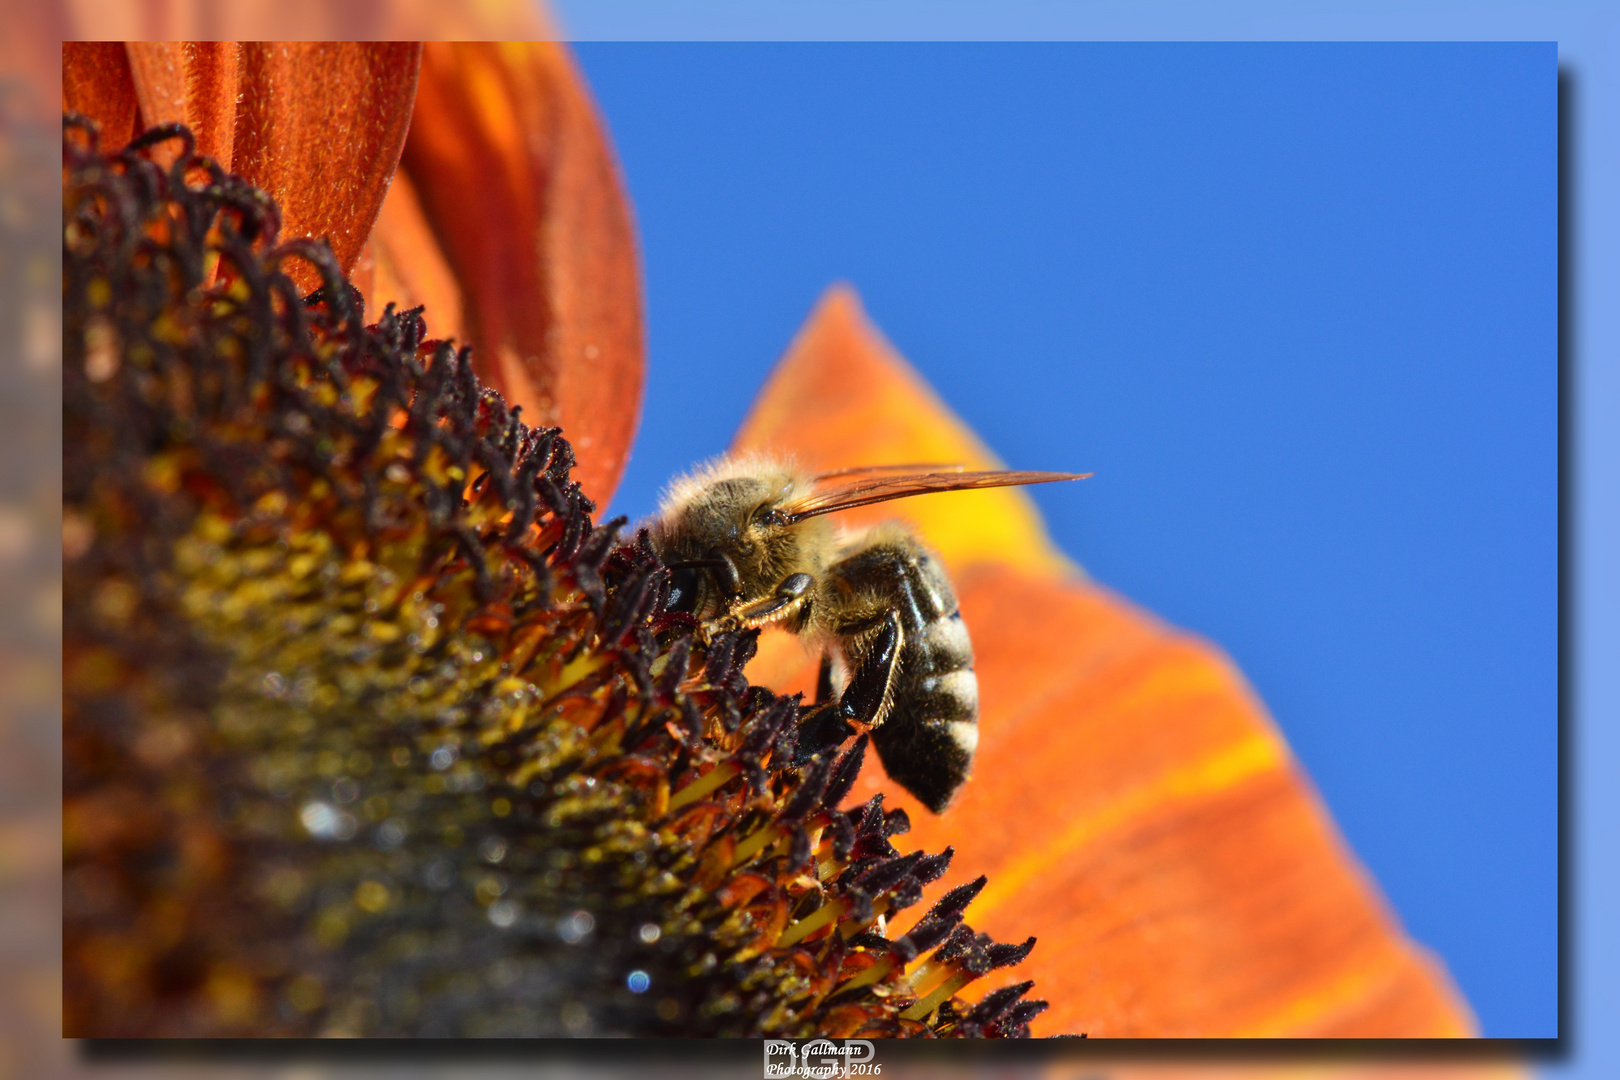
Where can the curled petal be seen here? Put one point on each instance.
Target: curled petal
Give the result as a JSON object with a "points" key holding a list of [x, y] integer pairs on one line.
{"points": [[1132, 804], [96, 81], [516, 177], [319, 126], [193, 83], [277, 20], [403, 264]]}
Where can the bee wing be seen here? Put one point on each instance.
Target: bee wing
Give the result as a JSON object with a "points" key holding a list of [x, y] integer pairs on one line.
{"points": [[870, 490], [867, 470]]}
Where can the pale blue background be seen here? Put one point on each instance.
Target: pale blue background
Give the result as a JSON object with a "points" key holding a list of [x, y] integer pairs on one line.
{"points": [[1296, 305]]}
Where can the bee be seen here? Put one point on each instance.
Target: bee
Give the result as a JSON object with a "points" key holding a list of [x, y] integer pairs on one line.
{"points": [[748, 544]]}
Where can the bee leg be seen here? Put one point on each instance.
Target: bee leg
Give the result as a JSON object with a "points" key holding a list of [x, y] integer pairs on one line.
{"points": [[823, 726], [868, 695], [788, 598]]}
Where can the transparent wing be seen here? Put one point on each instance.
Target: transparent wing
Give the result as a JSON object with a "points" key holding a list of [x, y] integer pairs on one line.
{"points": [[869, 470], [864, 492]]}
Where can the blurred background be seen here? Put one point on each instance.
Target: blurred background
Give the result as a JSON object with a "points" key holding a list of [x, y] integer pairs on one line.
{"points": [[1295, 305]]}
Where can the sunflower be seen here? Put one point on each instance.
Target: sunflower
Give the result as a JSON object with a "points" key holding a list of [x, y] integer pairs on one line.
{"points": [[373, 728]]}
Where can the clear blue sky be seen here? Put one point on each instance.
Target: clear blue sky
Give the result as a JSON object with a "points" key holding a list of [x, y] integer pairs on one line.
{"points": [[1295, 305]]}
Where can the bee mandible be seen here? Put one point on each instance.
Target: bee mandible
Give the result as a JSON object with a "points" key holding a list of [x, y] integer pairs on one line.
{"points": [[748, 544]]}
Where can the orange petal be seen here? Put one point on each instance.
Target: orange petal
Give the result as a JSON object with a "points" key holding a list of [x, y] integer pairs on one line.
{"points": [[402, 264], [97, 82], [277, 20], [193, 83], [1134, 807], [320, 127], [516, 177]]}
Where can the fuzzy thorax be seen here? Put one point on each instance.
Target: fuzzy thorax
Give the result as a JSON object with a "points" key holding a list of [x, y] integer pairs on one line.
{"points": [[725, 506]]}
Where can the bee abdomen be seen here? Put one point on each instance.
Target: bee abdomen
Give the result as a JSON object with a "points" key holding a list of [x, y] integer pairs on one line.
{"points": [[943, 686], [927, 735], [953, 696], [927, 743]]}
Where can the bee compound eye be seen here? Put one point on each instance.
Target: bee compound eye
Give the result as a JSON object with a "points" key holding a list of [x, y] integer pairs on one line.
{"points": [[683, 589]]}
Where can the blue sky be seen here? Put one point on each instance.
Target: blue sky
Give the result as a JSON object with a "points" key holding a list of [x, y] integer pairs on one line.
{"points": [[1295, 305]]}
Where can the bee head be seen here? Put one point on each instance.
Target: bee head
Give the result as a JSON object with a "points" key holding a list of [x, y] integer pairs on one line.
{"points": [[722, 532]]}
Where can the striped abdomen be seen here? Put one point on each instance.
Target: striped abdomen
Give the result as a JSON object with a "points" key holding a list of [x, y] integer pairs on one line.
{"points": [[927, 734]]}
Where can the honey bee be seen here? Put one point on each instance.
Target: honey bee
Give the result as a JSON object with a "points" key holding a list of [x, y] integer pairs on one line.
{"points": [[748, 544]]}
